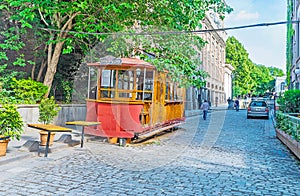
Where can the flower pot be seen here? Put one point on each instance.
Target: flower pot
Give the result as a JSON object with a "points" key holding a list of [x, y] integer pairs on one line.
{"points": [[3, 146], [43, 137]]}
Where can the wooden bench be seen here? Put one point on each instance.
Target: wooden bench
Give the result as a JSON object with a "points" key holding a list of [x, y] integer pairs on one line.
{"points": [[49, 128], [83, 124]]}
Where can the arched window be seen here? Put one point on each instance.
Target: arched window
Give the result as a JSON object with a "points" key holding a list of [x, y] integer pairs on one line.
{"points": [[282, 86]]}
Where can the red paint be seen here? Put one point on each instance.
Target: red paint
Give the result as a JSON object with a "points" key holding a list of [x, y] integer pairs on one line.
{"points": [[117, 119]]}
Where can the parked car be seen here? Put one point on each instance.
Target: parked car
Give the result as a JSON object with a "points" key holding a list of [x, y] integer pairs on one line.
{"points": [[258, 108]]}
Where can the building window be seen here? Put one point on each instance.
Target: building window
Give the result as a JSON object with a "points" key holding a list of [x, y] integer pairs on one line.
{"points": [[282, 86]]}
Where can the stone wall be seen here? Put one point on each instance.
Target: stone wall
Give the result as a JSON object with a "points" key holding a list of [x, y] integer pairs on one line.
{"points": [[68, 112]]}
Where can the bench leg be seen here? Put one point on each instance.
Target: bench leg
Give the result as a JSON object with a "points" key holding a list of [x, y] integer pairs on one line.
{"points": [[47, 144], [82, 136]]}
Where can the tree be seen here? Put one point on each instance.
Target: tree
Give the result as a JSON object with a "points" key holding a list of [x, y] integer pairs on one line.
{"points": [[53, 20], [238, 57], [179, 54], [249, 77]]}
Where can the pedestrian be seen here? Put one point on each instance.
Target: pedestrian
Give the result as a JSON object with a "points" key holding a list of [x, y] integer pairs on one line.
{"points": [[199, 100], [205, 108], [229, 103], [237, 105]]}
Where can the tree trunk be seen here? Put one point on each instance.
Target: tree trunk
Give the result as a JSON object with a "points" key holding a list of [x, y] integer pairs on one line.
{"points": [[43, 65], [53, 58], [52, 66]]}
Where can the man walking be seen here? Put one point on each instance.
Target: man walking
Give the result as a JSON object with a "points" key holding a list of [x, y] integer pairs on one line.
{"points": [[205, 108], [237, 105]]}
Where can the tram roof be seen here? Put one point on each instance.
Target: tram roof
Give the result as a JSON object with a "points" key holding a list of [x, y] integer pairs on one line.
{"points": [[125, 62]]}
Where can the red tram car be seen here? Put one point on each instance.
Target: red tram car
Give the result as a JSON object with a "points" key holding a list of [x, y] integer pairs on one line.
{"points": [[132, 99]]}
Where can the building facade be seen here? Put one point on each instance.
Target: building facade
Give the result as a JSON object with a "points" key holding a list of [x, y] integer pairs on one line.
{"points": [[280, 85], [293, 43], [219, 83]]}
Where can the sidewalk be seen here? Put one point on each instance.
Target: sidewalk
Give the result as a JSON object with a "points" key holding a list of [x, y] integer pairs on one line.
{"points": [[189, 113], [16, 150], [28, 146]]}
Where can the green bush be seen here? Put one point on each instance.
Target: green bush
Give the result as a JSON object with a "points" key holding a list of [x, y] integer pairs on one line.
{"points": [[28, 91], [48, 109], [11, 123], [290, 101], [288, 124]]}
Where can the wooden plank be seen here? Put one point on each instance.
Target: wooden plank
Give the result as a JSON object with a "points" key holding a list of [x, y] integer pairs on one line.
{"points": [[82, 123], [50, 127], [149, 134]]}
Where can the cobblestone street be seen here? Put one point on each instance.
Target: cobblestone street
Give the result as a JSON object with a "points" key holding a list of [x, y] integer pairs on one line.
{"points": [[224, 155]]}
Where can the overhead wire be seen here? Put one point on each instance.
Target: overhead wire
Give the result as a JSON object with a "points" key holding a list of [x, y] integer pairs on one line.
{"points": [[176, 32]]}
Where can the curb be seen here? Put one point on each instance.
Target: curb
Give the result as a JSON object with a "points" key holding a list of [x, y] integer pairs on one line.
{"points": [[5, 160], [17, 155]]}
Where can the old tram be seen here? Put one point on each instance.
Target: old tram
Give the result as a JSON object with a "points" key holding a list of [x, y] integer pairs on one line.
{"points": [[132, 100]]}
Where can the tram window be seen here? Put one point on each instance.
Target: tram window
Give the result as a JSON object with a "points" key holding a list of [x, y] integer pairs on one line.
{"points": [[125, 79], [93, 93], [171, 92], [149, 80], [167, 91], [140, 81], [125, 95], [139, 96], [125, 82], [93, 79], [179, 95], [108, 79], [148, 96]]}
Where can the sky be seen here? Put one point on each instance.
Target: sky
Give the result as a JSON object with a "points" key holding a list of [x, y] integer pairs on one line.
{"points": [[265, 45]]}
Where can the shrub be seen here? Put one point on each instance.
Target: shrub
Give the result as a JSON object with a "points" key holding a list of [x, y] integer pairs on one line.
{"points": [[11, 123], [28, 91], [48, 109], [290, 101]]}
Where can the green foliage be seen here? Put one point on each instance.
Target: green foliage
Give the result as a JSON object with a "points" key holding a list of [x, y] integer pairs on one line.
{"points": [[290, 101], [289, 41], [93, 16], [11, 123], [238, 57], [178, 54], [249, 78], [48, 109], [67, 87], [288, 124], [28, 91]]}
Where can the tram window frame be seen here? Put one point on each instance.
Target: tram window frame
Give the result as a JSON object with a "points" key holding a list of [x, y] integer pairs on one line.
{"points": [[128, 86], [107, 88], [93, 83], [145, 84], [125, 83], [173, 91]]}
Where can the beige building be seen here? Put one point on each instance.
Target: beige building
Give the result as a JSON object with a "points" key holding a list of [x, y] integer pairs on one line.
{"points": [[295, 69], [219, 85], [213, 59]]}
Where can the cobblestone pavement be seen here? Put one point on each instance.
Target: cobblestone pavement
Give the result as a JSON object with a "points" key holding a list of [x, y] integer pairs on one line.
{"points": [[225, 155]]}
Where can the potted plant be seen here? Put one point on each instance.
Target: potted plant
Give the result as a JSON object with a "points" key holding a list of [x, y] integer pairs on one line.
{"points": [[11, 126], [48, 110]]}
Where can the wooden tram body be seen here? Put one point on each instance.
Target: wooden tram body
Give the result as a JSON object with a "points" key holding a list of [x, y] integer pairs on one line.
{"points": [[133, 100]]}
